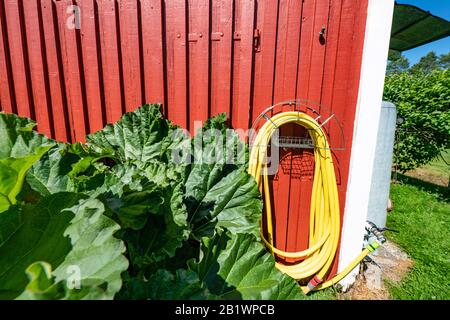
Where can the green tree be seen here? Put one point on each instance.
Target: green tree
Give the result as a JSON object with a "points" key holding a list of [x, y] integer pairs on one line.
{"points": [[444, 61], [427, 63], [396, 63], [423, 101]]}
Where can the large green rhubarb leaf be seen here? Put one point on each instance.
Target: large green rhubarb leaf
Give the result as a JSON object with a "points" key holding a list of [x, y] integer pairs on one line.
{"points": [[138, 137], [12, 175], [51, 173], [163, 233], [164, 285], [232, 202], [237, 266], [42, 286], [148, 204], [219, 191], [65, 166], [126, 190], [69, 232], [17, 138]]}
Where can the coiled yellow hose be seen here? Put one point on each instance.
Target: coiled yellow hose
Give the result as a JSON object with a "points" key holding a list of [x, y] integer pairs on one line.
{"points": [[324, 213]]}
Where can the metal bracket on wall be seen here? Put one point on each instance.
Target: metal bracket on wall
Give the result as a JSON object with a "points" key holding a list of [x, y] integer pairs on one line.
{"points": [[237, 36], [216, 36], [257, 40], [193, 37]]}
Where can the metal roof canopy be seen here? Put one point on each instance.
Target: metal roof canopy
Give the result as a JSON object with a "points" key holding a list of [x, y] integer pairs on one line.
{"points": [[413, 27]]}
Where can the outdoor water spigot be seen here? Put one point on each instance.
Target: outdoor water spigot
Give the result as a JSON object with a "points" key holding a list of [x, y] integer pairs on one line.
{"points": [[388, 229], [377, 232]]}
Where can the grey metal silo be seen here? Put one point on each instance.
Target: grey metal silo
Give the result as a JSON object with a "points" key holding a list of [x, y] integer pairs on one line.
{"points": [[381, 179]]}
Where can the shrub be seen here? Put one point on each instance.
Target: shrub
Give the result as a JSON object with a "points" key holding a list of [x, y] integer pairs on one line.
{"points": [[423, 101]]}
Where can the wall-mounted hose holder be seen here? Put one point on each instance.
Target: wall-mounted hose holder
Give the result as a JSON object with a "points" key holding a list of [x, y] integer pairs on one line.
{"points": [[323, 115], [313, 264]]}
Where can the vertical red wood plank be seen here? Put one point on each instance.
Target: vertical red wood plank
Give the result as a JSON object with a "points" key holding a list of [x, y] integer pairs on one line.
{"points": [[348, 71], [284, 89], [310, 73], [6, 91], [221, 43], [327, 95], [152, 42], [72, 76], [55, 76], [331, 38], [37, 71], [110, 59], [18, 59], [342, 88], [242, 62], [198, 40], [266, 23], [91, 65], [306, 48], [302, 173], [281, 191], [287, 50], [289, 19], [280, 183], [321, 14], [176, 38], [129, 38]]}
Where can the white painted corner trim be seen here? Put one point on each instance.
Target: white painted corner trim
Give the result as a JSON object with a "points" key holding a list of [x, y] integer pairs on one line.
{"points": [[374, 60]]}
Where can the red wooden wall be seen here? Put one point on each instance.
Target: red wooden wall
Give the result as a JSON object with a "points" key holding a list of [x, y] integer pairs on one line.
{"points": [[199, 58]]}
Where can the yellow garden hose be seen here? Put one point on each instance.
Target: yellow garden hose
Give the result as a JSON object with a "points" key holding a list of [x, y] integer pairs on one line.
{"points": [[324, 226]]}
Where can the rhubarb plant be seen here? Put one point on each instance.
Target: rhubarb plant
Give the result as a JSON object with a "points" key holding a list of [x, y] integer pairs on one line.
{"points": [[140, 211]]}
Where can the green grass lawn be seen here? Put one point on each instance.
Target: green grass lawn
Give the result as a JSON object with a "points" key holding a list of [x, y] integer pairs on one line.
{"points": [[437, 171], [422, 215], [439, 166]]}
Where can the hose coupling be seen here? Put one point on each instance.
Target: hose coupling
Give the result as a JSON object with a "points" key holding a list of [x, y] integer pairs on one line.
{"points": [[374, 245], [313, 283]]}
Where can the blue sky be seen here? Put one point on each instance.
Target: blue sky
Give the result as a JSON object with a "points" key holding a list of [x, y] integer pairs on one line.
{"points": [[440, 8]]}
